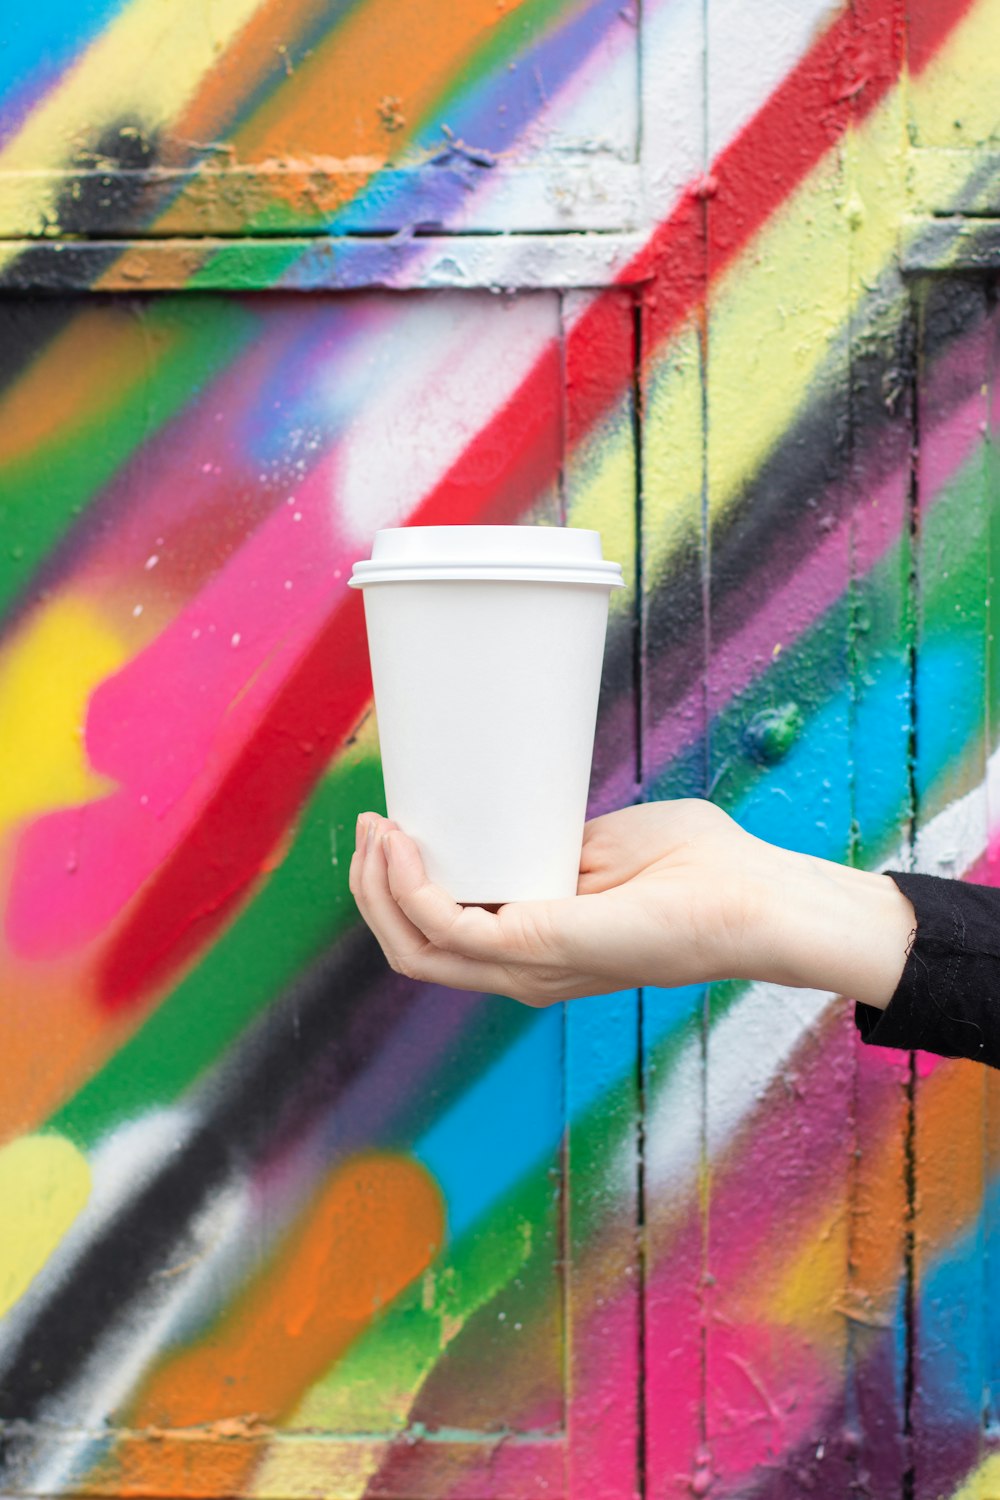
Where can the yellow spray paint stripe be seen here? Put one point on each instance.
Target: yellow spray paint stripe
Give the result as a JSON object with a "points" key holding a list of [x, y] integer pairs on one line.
{"points": [[777, 314], [956, 100], [601, 486], [983, 1483], [141, 71], [44, 1184], [48, 672]]}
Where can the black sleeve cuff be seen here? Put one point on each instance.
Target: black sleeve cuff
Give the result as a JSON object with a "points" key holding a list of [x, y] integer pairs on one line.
{"points": [[948, 997]]}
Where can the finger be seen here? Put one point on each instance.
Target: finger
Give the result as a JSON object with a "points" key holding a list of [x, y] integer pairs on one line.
{"points": [[407, 948], [358, 857], [397, 935], [471, 931]]}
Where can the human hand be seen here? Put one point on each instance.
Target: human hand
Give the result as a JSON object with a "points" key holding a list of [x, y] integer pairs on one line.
{"points": [[669, 893]]}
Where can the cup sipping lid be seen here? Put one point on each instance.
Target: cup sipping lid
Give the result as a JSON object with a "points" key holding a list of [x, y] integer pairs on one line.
{"points": [[556, 554]]}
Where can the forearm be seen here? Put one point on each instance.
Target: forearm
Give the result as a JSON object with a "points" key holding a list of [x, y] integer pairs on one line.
{"points": [[830, 927]]}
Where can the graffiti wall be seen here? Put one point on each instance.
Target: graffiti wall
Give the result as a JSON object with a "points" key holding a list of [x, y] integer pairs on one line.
{"points": [[716, 277]]}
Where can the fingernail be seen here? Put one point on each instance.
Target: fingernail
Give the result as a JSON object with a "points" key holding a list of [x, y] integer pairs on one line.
{"points": [[387, 845], [371, 834]]}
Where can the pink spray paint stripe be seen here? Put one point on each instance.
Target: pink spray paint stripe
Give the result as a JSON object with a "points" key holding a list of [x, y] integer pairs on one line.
{"points": [[163, 490], [218, 664]]}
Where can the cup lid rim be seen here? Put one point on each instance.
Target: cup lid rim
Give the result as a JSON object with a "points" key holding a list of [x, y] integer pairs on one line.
{"points": [[576, 570], [560, 553]]}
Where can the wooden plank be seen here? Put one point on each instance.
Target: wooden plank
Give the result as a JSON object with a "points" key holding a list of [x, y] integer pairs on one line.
{"points": [[496, 263], [780, 1063], [949, 1338], [881, 418], [672, 764], [588, 193], [604, 1343], [948, 244]]}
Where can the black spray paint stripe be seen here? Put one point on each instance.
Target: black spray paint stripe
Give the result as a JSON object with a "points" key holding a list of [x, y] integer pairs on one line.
{"points": [[123, 150], [786, 512]]}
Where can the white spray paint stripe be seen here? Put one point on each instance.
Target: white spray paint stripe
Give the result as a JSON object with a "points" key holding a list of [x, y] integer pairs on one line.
{"points": [[117, 1170], [456, 362], [747, 1049], [580, 190], [775, 37], [106, 1382]]}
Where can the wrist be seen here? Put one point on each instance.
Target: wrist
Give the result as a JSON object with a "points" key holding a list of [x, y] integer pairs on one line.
{"points": [[826, 926]]}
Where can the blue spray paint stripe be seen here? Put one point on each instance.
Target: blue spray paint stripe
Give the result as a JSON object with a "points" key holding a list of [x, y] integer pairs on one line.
{"points": [[498, 1131], [958, 1338], [493, 111], [37, 46]]}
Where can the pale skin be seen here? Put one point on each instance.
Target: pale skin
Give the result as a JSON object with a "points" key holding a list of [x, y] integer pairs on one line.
{"points": [[669, 893]]}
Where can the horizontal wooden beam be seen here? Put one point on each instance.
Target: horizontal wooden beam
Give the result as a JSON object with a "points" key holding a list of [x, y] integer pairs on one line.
{"points": [[950, 245], [495, 262]]}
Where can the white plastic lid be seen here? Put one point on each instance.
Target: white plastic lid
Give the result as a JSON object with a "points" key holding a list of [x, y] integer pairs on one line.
{"points": [[542, 554]]}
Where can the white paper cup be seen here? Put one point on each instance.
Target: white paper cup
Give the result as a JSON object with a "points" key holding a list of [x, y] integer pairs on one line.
{"points": [[486, 646]]}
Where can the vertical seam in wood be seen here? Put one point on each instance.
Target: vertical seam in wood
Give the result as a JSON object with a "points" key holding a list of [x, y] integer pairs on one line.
{"points": [[855, 1458], [638, 688], [705, 1279], [563, 414], [909, 1143]]}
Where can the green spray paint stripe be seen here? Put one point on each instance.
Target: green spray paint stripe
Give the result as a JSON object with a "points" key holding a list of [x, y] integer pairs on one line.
{"points": [[509, 1269], [302, 908], [229, 267], [953, 569], [819, 662], [43, 495]]}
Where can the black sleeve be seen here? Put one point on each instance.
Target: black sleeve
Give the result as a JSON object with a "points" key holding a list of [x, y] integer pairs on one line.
{"points": [[948, 997]]}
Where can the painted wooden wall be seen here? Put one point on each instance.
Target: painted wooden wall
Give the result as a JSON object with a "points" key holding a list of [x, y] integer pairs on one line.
{"points": [[717, 277]]}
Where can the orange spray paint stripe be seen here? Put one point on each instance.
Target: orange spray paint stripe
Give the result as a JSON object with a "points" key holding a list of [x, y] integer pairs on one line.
{"points": [[244, 67], [87, 369], [383, 51], [375, 1226], [357, 99], [79, 1036]]}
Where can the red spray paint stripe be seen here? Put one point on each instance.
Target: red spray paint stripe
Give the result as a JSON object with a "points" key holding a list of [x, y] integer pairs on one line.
{"points": [[840, 78], [208, 874]]}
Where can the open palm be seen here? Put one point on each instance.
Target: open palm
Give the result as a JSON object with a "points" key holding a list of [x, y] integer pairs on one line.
{"points": [[661, 899]]}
